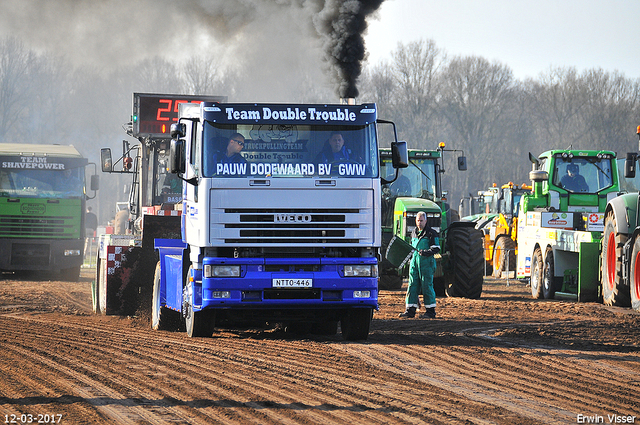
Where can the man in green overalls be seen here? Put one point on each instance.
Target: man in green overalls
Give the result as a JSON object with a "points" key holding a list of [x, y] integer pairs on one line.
{"points": [[426, 243]]}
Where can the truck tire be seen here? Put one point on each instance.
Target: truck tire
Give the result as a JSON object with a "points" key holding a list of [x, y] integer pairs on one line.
{"points": [[614, 292], [635, 276], [71, 274], [162, 318], [95, 294], [101, 285], [325, 328], [467, 261], [504, 256], [548, 280], [390, 282], [537, 270], [197, 323], [355, 324]]}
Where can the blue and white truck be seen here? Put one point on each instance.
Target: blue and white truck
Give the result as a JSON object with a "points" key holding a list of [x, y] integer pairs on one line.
{"points": [[288, 233]]}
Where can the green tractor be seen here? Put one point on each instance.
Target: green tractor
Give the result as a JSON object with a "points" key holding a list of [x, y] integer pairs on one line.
{"points": [[621, 240], [460, 266], [562, 221]]}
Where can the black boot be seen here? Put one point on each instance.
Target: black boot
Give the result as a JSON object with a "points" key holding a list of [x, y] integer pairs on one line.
{"points": [[410, 312], [429, 314]]}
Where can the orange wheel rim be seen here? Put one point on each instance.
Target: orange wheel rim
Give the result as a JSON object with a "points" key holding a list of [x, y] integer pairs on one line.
{"points": [[611, 261]]}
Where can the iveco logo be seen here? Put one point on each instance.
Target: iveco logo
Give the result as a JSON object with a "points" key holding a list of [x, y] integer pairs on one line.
{"points": [[292, 218]]}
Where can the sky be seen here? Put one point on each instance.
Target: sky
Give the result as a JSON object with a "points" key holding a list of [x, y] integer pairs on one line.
{"points": [[530, 37]]}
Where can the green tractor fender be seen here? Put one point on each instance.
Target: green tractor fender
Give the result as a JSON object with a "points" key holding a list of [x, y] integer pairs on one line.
{"points": [[624, 206]]}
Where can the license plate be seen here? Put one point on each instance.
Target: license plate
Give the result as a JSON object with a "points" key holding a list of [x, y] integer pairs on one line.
{"points": [[292, 283]]}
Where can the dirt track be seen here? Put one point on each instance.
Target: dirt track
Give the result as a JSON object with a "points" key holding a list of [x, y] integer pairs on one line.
{"points": [[503, 359]]}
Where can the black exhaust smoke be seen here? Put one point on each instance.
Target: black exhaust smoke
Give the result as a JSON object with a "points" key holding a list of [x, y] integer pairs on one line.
{"points": [[341, 24]]}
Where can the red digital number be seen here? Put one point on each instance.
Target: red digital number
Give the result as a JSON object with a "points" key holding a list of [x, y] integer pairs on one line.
{"points": [[159, 116]]}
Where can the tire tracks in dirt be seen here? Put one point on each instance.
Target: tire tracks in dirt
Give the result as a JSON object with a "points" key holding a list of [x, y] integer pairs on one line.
{"points": [[482, 362], [528, 382]]}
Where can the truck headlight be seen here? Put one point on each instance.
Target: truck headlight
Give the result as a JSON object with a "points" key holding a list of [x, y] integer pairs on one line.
{"points": [[211, 270], [221, 294], [361, 270], [71, 252]]}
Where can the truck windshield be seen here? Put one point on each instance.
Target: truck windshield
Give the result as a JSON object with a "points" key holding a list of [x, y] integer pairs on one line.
{"points": [[583, 175], [289, 150], [36, 183], [510, 200], [416, 181]]}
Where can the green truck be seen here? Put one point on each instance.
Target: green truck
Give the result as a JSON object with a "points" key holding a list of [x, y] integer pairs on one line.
{"points": [[460, 266], [42, 205]]}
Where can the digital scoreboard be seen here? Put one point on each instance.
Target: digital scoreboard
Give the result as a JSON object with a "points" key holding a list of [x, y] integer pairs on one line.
{"points": [[153, 114]]}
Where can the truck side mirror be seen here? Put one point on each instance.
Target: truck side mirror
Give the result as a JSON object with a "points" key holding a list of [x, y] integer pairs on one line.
{"points": [[537, 178], [534, 161], [105, 160], [399, 154], [177, 156], [462, 163], [630, 165], [95, 182], [178, 129]]}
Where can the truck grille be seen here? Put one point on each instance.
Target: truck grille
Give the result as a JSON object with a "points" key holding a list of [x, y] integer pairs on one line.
{"points": [[37, 227], [29, 254], [294, 226], [292, 294]]}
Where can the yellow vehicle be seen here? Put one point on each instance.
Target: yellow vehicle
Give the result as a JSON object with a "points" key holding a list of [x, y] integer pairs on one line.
{"points": [[499, 226]]}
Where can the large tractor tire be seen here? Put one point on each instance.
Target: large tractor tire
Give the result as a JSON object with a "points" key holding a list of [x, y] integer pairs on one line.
{"points": [[635, 276], [467, 262], [504, 256], [614, 292]]}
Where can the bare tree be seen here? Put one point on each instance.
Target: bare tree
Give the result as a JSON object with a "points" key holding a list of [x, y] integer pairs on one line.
{"points": [[612, 111], [50, 101], [377, 84], [416, 67], [157, 75], [16, 84], [202, 75], [557, 101], [476, 96]]}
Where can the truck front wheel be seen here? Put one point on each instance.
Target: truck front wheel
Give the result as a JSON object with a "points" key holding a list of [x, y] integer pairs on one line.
{"points": [[548, 280], [71, 274], [613, 290], [635, 276], [536, 274], [198, 323], [355, 324]]}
